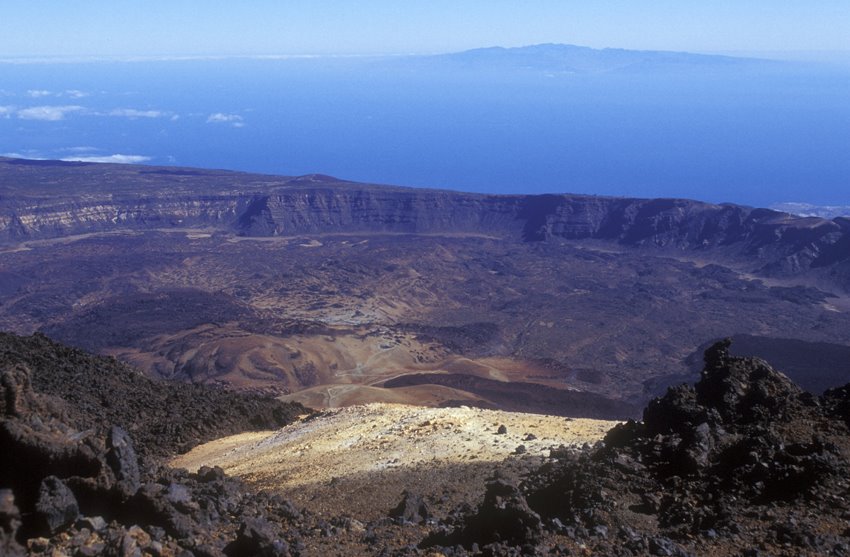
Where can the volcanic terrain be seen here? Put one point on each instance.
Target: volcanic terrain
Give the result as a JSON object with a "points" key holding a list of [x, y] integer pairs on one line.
{"points": [[334, 293], [742, 463]]}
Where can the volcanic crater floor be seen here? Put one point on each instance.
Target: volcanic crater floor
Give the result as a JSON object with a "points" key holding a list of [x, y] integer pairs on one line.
{"points": [[359, 460]]}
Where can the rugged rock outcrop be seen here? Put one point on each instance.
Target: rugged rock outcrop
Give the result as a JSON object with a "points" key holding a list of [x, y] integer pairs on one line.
{"points": [[743, 463], [97, 392], [75, 492]]}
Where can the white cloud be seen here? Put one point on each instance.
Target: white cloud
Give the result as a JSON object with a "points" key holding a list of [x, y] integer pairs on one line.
{"points": [[116, 159], [30, 155], [135, 113], [220, 118], [76, 93], [39, 93], [6, 111], [79, 154], [47, 113]]}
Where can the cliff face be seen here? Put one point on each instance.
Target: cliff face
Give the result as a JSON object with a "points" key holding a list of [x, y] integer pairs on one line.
{"points": [[51, 218], [39, 200], [351, 209]]}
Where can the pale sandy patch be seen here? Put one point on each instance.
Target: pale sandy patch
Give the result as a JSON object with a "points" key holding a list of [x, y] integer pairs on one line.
{"points": [[378, 437]]}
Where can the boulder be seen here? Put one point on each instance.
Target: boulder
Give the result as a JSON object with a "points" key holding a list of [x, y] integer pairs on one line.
{"points": [[503, 517], [56, 507], [412, 508], [123, 461], [257, 537]]}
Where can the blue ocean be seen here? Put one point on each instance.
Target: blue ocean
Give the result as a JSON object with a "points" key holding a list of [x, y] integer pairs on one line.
{"points": [[753, 134]]}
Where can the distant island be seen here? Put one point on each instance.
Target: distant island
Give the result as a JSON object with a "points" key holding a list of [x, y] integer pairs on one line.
{"points": [[581, 59]]}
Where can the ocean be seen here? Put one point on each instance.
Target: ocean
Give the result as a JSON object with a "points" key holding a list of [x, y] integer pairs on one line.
{"points": [[756, 134]]}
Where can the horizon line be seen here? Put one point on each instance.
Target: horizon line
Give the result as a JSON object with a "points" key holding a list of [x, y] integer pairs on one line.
{"points": [[178, 57]]}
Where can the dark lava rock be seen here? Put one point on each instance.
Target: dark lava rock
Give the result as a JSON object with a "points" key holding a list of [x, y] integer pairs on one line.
{"points": [[412, 508], [502, 430], [43, 445], [665, 547], [745, 389], [10, 516], [61, 481], [257, 537], [837, 403], [122, 459], [10, 522], [503, 518], [56, 507], [162, 418], [716, 465]]}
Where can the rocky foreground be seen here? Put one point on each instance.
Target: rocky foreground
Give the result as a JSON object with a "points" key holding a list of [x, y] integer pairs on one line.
{"points": [[743, 463]]}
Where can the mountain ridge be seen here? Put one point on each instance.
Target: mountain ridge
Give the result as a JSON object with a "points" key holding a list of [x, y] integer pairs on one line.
{"points": [[263, 206]]}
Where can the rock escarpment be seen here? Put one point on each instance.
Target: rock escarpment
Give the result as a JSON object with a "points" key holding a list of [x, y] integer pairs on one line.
{"points": [[39, 200]]}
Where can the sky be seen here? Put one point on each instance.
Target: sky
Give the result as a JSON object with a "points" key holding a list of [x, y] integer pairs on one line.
{"points": [[153, 28]]}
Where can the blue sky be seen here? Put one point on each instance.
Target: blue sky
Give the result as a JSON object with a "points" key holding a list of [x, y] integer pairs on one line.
{"points": [[218, 27]]}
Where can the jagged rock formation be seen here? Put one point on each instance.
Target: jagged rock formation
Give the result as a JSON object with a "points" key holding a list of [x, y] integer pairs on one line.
{"points": [[43, 200], [86, 492], [743, 463]]}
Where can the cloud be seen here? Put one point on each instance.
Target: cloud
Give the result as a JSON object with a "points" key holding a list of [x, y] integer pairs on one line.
{"points": [[79, 155], [115, 159], [53, 113], [220, 118], [135, 113], [47, 113], [41, 93], [30, 155]]}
